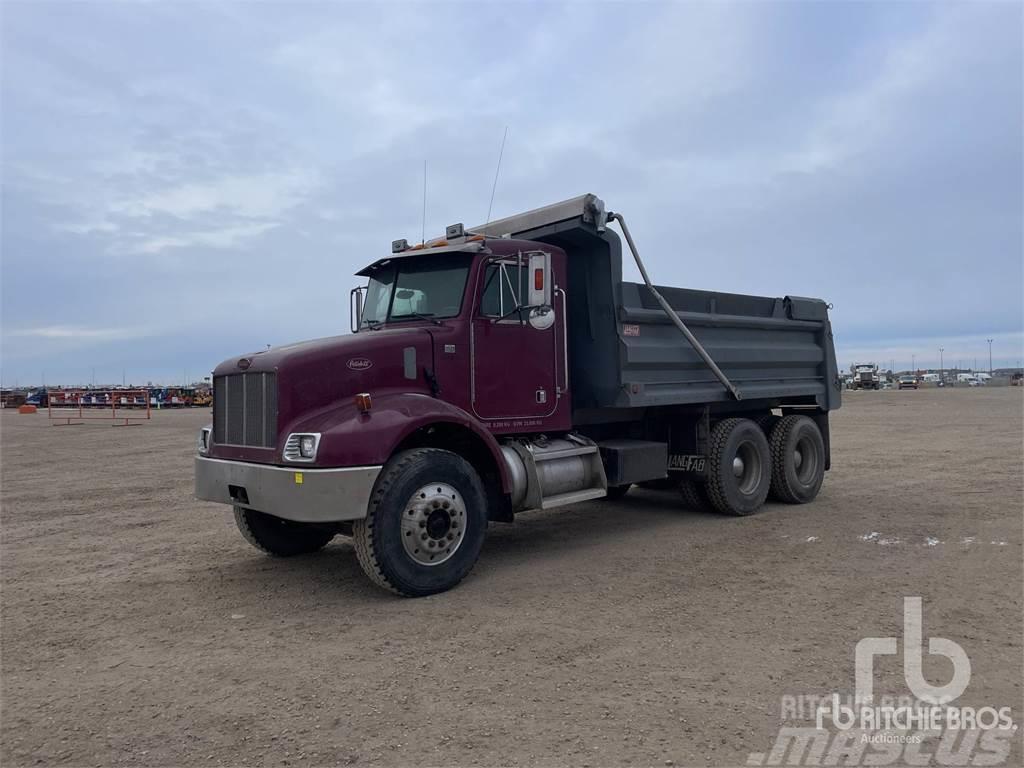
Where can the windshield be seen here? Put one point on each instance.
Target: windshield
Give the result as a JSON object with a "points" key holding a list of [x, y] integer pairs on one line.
{"points": [[416, 287]]}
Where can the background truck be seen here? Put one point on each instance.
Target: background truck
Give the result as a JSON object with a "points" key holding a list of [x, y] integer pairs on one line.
{"points": [[865, 376], [508, 368]]}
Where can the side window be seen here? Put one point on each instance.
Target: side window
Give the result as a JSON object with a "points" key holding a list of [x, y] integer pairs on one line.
{"points": [[503, 289]]}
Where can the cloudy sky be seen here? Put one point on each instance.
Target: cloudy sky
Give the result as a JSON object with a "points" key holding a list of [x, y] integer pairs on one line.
{"points": [[183, 182]]}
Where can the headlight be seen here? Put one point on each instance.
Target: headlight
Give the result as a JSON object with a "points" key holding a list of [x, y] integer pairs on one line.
{"points": [[205, 439], [301, 446]]}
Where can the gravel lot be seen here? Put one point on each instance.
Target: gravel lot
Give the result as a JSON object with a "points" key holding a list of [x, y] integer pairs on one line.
{"points": [[138, 628]]}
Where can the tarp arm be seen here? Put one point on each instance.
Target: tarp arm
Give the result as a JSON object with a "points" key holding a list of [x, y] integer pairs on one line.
{"points": [[673, 316]]}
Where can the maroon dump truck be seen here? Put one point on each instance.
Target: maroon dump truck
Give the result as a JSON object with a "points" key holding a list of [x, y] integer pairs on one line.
{"points": [[508, 368]]}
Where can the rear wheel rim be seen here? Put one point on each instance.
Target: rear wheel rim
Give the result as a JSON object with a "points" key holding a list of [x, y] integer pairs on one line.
{"points": [[805, 460], [747, 468], [433, 524]]}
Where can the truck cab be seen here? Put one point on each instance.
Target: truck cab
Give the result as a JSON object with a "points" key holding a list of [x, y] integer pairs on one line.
{"points": [[508, 368]]}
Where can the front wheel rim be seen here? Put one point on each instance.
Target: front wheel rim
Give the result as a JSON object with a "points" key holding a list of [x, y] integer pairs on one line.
{"points": [[433, 524]]}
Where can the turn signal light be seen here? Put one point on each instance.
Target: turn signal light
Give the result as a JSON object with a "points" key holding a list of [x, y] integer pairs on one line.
{"points": [[538, 279], [363, 401]]}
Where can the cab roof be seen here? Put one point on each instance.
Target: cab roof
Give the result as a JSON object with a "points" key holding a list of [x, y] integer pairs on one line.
{"points": [[495, 246]]}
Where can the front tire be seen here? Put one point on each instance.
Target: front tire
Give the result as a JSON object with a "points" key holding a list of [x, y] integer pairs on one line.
{"points": [[425, 525], [279, 537], [739, 467], [798, 459]]}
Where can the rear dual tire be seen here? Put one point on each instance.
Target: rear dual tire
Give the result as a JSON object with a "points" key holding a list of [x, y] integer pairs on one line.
{"points": [[748, 459], [695, 495], [738, 467], [798, 459]]}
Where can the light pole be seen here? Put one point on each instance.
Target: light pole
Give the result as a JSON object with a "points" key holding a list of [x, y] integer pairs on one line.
{"points": [[941, 366], [989, 356], [913, 364]]}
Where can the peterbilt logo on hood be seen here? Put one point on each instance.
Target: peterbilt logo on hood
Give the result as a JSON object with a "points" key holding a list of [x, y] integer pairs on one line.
{"points": [[359, 364], [244, 363]]}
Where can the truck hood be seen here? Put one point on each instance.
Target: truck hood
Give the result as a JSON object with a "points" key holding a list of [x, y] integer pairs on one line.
{"points": [[322, 372]]}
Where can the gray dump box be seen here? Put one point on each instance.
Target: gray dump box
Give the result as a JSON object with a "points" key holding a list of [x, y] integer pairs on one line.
{"points": [[768, 347], [626, 351]]}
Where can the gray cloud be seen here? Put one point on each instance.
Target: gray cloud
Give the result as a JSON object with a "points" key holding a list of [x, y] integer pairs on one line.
{"points": [[213, 174]]}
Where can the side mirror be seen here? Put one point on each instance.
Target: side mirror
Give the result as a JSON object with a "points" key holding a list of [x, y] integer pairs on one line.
{"points": [[541, 318], [355, 307]]}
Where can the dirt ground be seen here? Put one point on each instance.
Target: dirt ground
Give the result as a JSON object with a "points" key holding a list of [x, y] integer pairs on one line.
{"points": [[138, 628]]}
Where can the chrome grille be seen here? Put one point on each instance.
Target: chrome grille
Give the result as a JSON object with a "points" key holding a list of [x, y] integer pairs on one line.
{"points": [[245, 409]]}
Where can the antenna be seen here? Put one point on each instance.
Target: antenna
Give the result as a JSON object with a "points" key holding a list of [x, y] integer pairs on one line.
{"points": [[423, 234], [496, 172]]}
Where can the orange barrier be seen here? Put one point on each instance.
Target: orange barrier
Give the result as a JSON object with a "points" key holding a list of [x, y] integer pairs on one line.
{"points": [[26, 409], [71, 407]]}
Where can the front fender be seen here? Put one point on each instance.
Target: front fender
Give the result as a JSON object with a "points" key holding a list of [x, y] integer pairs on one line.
{"points": [[350, 438]]}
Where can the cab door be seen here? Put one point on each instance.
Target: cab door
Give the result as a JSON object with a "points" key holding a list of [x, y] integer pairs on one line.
{"points": [[516, 341]]}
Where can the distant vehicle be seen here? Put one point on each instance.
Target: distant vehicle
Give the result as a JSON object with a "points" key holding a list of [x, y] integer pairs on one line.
{"points": [[11, 399], [865, 376], [908, 382], [969, 379], [39, 398]]}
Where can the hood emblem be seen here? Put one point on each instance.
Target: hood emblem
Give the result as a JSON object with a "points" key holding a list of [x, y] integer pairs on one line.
{"points": [[244, 363], [359, 364]]}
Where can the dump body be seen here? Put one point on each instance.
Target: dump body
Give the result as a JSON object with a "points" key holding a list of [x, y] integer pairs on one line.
{"points": [[770, 348]]}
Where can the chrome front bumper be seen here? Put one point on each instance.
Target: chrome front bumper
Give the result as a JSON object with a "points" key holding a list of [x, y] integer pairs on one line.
{"points": [[293, 493]]}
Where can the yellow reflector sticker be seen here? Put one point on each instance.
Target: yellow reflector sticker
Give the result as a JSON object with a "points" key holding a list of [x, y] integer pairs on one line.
{"points": [[298, 478]]}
